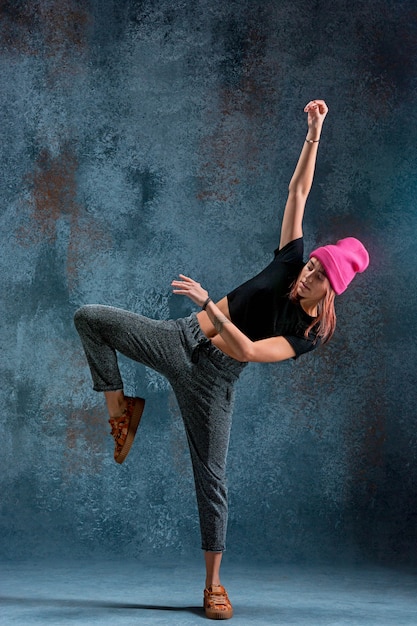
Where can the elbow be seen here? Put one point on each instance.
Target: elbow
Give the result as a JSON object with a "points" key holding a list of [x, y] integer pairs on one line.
{"points": [[298, 191], [247, 353]]}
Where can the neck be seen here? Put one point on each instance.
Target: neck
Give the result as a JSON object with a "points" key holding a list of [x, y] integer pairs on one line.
{"points": [[309, 306]]}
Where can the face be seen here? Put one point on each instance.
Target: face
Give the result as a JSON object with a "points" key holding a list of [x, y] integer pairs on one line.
{"points": [[313, 283]]}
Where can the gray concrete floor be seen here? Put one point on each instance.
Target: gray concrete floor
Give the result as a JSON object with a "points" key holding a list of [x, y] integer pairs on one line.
{"points": [[127, 593]]}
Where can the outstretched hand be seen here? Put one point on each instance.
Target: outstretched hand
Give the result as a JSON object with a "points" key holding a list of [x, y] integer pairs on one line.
{"points": [[188, 287], [316, 112]]}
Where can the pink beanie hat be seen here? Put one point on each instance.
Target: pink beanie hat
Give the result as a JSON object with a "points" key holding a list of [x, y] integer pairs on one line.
{"points": [[342, 261]]}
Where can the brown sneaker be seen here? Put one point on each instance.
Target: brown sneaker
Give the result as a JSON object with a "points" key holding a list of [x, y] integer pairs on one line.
{"points": [[216, 603], [123, 428]]}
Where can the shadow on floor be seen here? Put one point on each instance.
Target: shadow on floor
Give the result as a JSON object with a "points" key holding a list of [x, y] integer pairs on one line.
{"points": [[95, 604], [96, 593]]}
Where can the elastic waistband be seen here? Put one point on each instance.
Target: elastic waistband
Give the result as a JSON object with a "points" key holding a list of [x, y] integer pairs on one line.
{"points": [[202, 343]]}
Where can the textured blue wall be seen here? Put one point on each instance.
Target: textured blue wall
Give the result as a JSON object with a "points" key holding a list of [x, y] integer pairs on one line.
{"points": [[143, 139]]}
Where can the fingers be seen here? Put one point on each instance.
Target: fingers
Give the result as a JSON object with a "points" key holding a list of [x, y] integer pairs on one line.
{"points": [[185, 278], [316, 106], [185, 285], [179, 286], [185, 281]]}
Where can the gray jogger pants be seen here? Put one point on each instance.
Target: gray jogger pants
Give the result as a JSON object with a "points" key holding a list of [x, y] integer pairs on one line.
{"points": [[202, 378]]}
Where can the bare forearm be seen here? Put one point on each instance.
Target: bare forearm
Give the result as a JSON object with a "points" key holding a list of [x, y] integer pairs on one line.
{"points": [[304, 172], [302, 178], [239, 344]]}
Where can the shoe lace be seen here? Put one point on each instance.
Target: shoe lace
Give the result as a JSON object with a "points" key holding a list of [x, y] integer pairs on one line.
{"points": [[217, 598], [117, 425]]}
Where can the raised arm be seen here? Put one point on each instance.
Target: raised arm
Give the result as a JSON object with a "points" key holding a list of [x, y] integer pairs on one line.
{"points": [[302, 179]]}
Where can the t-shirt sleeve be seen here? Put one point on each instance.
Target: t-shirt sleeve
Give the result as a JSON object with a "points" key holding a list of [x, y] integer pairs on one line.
{"points": [[292, 252], [301, 345]]}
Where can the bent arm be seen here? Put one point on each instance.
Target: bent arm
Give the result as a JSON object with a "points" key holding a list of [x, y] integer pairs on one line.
{"points": [[270, 350], [302, 179], [235, 343], [229, 338]]}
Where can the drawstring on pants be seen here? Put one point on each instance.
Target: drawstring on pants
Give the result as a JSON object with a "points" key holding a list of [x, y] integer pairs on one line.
{"points": [[204, 346]]}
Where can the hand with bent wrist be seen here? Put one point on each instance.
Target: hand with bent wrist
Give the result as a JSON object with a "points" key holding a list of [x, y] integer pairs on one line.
{"points": [[316, 112], [192, 289]]}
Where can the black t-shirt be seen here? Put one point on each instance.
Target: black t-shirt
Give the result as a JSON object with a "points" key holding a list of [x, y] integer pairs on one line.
{"points": [[261, 307]]}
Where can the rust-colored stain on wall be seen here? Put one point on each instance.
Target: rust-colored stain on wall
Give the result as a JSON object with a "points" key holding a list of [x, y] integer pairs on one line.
{"points": [[54, 190], [234, 145], [52, 29], [86, 442]]}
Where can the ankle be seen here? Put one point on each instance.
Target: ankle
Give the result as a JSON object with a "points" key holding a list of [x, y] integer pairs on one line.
{"points": [[214, 582], [116, 404], [119, 411]]}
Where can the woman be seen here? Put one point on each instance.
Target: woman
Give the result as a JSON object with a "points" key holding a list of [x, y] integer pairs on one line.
{"points": [[283, 312]]}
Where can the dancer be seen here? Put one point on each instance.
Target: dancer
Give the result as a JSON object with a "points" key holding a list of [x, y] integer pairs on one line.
{"points": [[283, 312]]}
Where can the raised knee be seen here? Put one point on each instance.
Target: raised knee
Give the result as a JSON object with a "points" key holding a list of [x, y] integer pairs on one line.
{"points": [[83, 314]]}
